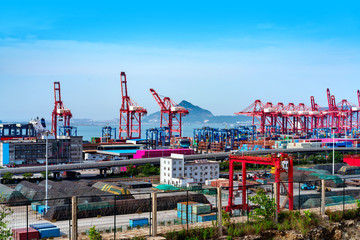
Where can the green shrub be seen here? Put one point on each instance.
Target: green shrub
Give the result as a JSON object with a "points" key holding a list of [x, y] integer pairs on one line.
{"points": [[94, 235], [267, 207], [5, 211]]}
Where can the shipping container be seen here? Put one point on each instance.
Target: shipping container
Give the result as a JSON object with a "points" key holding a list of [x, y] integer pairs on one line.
{"points": [[35, 206], [201, 209], [134, 222], [207, 217], [41, 209], [38, 226], [25, 234], [49, 232]]}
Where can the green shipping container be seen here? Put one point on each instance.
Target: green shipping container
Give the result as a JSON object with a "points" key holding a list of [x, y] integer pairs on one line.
{"points": [[201, 209]]}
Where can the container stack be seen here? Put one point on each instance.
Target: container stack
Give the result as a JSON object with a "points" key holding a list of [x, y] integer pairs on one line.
{"points": [[37, 231], [216, 147], [203, 146], [193, 212]]}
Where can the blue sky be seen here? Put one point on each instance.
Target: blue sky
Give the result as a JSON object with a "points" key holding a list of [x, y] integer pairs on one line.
{"points": [[220, 55]]}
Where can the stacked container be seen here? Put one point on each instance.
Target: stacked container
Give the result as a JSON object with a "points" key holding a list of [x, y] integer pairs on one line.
{"points": [[46, 230], [196, 212]]}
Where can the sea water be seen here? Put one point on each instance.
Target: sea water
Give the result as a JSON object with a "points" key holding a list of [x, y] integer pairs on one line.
{"points": [[88, 131]]}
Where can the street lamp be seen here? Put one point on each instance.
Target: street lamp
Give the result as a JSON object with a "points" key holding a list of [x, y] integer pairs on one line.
{"points": [[46, 134], [333, 162]]}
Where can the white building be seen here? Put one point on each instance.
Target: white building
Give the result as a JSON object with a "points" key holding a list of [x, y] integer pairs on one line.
{"points": [[175, 171]]}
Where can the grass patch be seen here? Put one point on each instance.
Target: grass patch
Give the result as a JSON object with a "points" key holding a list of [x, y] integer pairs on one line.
{"points": [[193, 234], [287, 220], [338, 216]]}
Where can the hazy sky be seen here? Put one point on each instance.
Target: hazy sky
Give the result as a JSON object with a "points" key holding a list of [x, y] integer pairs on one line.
{"points": [[220, 55]]}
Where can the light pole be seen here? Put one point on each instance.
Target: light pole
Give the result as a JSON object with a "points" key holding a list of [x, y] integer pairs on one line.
{"points": [[46, 133], [333, 162]]}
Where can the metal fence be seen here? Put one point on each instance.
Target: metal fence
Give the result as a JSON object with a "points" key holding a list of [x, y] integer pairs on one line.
{"points": [[115, 215]]}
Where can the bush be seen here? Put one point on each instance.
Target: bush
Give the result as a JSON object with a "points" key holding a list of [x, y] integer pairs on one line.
{"points": [[5, 211], [27, 176], [8, 176], [267, 206], [94, 235]]}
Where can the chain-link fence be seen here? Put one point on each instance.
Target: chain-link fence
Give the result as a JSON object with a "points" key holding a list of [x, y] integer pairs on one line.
{"points": [[130, 215]]}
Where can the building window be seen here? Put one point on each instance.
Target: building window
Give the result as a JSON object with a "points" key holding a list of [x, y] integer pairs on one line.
{"points": [[180, 168], [185, 168]]}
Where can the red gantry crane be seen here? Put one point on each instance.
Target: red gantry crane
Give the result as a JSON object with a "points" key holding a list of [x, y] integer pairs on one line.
{"points": [[301, 119], [130, 114], [171, 113], [60, 112]]}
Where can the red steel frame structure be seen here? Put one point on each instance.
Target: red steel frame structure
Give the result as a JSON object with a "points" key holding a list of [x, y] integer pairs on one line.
{"points": [[301, 119], [274, 160], [60, 112], [130, 114], [171, 113]]}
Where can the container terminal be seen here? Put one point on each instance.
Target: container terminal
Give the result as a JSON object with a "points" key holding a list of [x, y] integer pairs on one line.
{"points": [[277, 136]]}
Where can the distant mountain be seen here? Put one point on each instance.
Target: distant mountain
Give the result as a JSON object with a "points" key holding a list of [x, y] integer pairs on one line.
{"points": [[199, 115]]}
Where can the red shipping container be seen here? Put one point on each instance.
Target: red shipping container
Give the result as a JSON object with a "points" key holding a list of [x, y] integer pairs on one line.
{"points": [[26, 234]]}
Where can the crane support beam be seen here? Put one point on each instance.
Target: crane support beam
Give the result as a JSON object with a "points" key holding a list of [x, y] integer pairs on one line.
{"points": [[60, 112], [130, 114]]}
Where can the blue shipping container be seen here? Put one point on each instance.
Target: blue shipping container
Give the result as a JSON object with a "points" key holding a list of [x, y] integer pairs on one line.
{"points": [[35, 206], [207, 217], [138, 222], [41, 209], [49, 232], [38, 226], [190, 207]]}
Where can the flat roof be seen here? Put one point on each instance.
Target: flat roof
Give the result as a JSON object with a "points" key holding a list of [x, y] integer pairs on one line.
{"points": [[118, 152], [201, 163]]}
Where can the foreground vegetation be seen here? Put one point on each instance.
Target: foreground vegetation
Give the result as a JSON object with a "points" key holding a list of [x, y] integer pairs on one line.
{"points": [[261, 220]]}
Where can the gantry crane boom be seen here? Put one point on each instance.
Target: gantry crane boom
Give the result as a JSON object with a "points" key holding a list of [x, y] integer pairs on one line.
{"points": [[130, 113], [158, 99], [60, 112], [171, 113]]}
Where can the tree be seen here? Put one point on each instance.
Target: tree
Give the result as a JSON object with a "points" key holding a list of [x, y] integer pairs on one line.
{"points": [[266, 209], [148, 170], [5, 211], [8, 176], [27, 176], [131, 170]]}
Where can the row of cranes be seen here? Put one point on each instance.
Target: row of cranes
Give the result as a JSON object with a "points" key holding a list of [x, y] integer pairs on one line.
{"points": [[343, 117], [131, 113]]}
